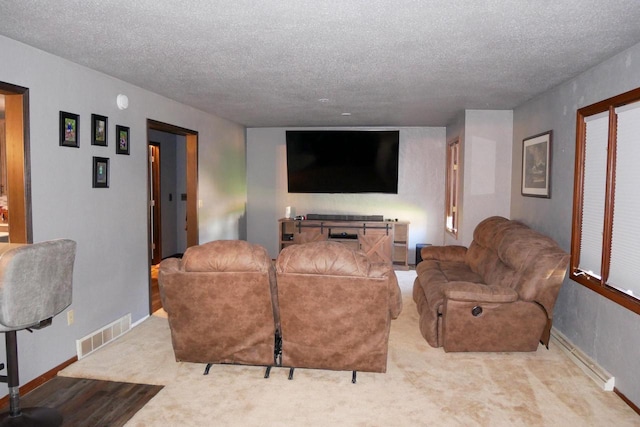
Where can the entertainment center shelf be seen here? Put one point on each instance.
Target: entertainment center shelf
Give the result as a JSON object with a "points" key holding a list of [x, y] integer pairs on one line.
{"points": [[382, 241]]}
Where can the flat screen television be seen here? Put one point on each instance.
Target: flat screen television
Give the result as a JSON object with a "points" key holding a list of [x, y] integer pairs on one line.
{"points": [[342, 161]]}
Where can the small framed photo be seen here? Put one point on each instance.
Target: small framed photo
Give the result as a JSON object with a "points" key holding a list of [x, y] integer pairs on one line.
{"points": [[69, 129], [100, 172], [99, 126], [536, 165], [122, 140]]}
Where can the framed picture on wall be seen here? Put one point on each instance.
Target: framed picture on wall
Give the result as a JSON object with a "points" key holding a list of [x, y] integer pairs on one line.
{"points": [[122, 140], [69, 129], [100, 172], [536, 165], [99, 126]]}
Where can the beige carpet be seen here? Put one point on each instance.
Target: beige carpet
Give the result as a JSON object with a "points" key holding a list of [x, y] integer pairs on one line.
{"points": [[422, 386]]}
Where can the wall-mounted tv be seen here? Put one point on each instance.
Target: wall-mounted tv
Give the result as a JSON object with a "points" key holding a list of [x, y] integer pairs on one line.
{"points": [[342, 161]]}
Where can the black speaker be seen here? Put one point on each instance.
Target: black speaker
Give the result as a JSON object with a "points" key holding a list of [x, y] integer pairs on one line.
{"points": [[419, 247]]}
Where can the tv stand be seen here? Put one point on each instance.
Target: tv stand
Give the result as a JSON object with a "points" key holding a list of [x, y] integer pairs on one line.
{"points": [[383, 241]]}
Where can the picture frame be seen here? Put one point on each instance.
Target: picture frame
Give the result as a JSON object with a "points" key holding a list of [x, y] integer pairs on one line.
{"points": [[122, 139], [100, 172], [69, 129], [99, 130], [536, 165]]}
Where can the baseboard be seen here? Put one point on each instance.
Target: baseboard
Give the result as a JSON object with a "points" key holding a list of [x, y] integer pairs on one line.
{"points": [[604, 379], [627, 401], [37, 382], [90, 343]]}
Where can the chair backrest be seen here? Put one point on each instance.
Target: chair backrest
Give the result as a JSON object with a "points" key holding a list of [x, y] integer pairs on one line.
{"points": [[35, 282]]}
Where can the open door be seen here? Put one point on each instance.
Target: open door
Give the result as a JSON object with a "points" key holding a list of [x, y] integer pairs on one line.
{"points": [[16, 220], [154, 217], [155, 220]]}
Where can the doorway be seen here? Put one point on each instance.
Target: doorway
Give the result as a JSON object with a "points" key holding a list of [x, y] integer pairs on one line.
{"points": [[155, 215], [160, 222], [15, 197]]}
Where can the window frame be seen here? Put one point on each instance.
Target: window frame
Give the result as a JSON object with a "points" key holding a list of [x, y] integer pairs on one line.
{"points": [[452, 188], [592, 281]]}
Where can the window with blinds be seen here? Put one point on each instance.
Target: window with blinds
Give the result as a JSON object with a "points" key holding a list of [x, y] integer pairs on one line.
{"points": [[605, 248]]}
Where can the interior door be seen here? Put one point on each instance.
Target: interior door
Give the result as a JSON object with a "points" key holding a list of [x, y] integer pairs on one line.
{"points": [[18, 173], [155, 222]]}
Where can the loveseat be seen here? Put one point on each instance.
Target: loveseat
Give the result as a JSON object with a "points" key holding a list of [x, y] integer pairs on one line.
{"points": [[221, 301], [496, 295], [336, 307]]}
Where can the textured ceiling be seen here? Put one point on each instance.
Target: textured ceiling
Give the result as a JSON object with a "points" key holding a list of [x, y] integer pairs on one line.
{"points": [[305, 62]]}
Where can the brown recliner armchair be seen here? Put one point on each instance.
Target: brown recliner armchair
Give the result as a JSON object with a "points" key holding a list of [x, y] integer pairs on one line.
{"points": [[496, 295], [335, 308], [221, 301]]}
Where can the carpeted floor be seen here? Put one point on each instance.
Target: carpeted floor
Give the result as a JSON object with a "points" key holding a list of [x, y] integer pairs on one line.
{"points": [[422, 386]]}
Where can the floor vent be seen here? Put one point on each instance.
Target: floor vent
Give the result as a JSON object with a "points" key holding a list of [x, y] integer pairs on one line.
{"points": [[95, 340], [591, 368]]}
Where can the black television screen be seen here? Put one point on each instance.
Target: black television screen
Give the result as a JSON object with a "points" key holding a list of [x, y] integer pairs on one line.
{"points": [[341, 161]]}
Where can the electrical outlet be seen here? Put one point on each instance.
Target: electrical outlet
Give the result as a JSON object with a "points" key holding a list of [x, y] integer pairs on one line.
{"points": [[69, 317]]}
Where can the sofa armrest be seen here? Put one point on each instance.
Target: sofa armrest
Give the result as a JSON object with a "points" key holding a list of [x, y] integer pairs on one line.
{"points": [[395, 295], [468, 291], [170, 265], [444, 253]]}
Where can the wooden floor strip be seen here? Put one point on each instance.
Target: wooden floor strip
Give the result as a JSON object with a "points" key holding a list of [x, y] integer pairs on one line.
{"points": [[85, 402]]}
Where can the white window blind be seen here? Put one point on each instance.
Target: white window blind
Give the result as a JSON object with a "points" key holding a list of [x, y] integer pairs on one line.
{"points": [[595, 179], [625, 240]]}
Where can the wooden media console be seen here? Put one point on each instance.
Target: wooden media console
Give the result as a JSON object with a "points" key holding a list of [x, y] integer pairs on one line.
{"points": [[382, 241]]}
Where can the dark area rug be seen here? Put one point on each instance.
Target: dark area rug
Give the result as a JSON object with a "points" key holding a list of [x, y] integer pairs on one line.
{"points": [[85, 402]]}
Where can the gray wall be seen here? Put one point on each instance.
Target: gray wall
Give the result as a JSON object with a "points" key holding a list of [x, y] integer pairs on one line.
{"points": [[169, 194], [485, 139], [420, 197], [111, 276], [606, 331]]}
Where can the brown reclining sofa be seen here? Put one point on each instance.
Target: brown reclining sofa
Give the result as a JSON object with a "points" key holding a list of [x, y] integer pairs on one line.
{"points": [[496, 295]]}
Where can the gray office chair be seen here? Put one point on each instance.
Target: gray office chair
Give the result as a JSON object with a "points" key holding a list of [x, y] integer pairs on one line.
{"points": [[35, 285]]}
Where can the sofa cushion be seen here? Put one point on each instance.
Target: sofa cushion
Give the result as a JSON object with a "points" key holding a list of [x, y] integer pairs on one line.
{"points": [[444, 253], [494, 256], [435, 276], [467, 291], [543, 266], [535, 257], [487, 231]]}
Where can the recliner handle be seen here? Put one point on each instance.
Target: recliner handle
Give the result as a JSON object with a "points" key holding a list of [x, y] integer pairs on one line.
{"points": [[476, 311], [43, 324]]}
